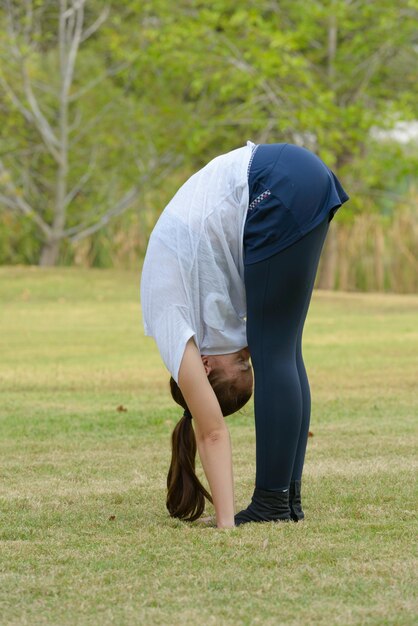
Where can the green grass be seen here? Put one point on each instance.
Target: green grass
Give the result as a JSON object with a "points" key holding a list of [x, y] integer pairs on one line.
{"points": [[84, 534]]}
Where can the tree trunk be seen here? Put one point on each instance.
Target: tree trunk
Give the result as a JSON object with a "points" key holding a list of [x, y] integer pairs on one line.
{"points": [[328, 264], [50, 253]]}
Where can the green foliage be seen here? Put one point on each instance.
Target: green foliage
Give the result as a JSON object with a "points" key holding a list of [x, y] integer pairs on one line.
{"points": [[19, 241], [195, 79]]}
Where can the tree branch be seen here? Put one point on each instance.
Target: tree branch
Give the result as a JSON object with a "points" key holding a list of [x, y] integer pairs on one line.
{"points": [[118, 209], [41, 122], [33, 115], [77, 121], [96, 25], [88, 125], [29, 19], [374, 63], [83, 180], [15, 201], [14, 98], [68, 66], [81, 231], [93, 83], [276, 97]]}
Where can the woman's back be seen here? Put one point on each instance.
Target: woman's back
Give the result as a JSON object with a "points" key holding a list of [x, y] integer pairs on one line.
{"points": [[192, 279]]}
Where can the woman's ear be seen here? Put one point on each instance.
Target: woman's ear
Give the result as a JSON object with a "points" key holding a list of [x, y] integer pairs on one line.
{"points": [[206, 360]]}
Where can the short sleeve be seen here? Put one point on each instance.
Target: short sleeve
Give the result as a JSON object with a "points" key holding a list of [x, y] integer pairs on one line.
{"points": [[172, 332]]}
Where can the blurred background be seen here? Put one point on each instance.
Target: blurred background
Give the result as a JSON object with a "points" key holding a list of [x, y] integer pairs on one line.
{"points": [[107, 108]]}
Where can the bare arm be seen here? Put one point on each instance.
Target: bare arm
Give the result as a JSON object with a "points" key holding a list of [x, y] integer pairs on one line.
{"points": [[212, 435]]}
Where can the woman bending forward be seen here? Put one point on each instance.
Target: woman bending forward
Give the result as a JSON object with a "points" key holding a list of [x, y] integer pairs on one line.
{"points": [[228, 276]]}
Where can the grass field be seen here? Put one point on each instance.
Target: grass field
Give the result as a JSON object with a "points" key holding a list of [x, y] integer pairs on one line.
{"points": [[84, 534]]}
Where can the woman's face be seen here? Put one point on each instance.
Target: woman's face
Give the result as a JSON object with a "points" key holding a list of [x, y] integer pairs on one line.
{"points": [[236, 366]]}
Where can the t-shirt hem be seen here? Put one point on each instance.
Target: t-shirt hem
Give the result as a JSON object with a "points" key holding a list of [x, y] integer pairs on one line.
{"points": [[223, 350]]}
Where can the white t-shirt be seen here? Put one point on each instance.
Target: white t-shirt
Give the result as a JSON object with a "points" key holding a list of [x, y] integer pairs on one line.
{"points": [[192, 282]]}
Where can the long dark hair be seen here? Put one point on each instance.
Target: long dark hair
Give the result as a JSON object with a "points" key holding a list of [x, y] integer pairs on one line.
{"points": [[186, 494]]}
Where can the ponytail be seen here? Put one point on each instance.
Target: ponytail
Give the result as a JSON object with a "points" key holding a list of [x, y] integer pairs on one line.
{"points": [[186, 494]]}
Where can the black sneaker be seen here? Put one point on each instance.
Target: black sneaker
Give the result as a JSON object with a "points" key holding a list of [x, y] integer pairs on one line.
{"points": [[295, 501], [266, 506]]}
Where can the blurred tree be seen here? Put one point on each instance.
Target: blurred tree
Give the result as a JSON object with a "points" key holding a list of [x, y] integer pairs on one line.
{"points": [[321, 74], [178, 83], [44, 175]]}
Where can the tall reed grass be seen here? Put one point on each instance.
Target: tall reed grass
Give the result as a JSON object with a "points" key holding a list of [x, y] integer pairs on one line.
{"points": [[373, 252]]}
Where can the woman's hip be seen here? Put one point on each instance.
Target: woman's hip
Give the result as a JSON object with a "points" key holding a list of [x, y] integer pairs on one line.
{"points": [[291, 191]]}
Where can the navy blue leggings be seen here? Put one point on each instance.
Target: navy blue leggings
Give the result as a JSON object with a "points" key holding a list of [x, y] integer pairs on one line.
{"points": [[278, 292]]}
